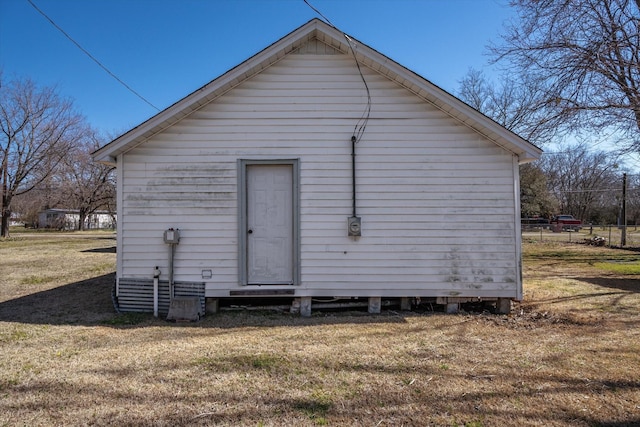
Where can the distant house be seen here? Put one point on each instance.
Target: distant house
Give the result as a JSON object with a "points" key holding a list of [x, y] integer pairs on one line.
{"points": [[259, 172], [15, 219], [68, 219]]}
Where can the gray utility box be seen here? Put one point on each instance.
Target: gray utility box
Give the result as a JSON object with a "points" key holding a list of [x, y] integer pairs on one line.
{"points": [[354, 226]]}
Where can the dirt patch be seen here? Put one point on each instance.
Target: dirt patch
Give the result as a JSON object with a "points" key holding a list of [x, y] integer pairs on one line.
{"points": [[528, 318]]}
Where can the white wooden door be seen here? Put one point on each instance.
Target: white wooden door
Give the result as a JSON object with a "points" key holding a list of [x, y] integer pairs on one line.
{"points": [[269, 224]]}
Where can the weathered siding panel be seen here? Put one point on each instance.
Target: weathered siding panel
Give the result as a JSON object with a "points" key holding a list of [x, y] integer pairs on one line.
{"points": [[436, 199]]}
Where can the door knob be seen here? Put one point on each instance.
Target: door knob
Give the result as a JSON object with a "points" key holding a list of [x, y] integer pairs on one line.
{"points": [[250, 231]]}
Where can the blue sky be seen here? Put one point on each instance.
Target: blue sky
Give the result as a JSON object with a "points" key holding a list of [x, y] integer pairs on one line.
{"points": [[166, 49]]}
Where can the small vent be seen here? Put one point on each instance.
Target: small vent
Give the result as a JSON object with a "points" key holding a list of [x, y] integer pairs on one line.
{"points": [[136, 295]]}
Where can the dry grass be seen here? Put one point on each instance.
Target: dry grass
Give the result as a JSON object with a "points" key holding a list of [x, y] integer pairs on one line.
{"points": [[568, 356]]}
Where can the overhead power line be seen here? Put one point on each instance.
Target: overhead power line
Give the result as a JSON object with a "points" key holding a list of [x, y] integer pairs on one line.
{"points": [[361, 124], [92, 57]]}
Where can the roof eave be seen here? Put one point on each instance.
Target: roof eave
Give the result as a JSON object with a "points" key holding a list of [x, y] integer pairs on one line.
{"points": [[202, 96], [450, 105], [368, 56]]}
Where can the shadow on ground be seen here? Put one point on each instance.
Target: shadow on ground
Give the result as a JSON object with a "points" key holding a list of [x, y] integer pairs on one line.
{"points": [[84, 303], [89, 303], [110, 250], [629, 285]]}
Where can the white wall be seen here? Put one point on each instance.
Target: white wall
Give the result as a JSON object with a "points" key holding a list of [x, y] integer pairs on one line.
{"points": [[436, 199]]}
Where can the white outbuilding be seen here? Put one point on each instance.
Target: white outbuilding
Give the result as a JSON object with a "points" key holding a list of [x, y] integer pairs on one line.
{"points": [[318, 168]]}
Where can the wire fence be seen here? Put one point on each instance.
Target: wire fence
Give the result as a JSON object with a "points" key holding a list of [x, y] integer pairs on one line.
{"points": [[598, 235]]}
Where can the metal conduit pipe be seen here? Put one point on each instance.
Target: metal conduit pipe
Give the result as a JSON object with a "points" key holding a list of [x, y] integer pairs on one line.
{"points": [[354, 222], [172, 238], [156, 279], [171, 255], [353, 173]]}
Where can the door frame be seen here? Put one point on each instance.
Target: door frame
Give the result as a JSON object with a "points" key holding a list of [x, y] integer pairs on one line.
{"points": [[242, 216]]}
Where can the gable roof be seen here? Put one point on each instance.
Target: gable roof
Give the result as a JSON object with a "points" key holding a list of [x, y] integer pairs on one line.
{"points": [[319, 30]]}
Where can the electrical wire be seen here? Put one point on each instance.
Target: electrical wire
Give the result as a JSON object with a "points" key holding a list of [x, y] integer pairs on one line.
{"points": [[361, 124], [604, 190], [92, 57], [320, 13]]}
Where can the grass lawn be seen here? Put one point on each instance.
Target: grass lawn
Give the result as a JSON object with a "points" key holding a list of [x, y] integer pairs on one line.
{"points": [[569, 354]]}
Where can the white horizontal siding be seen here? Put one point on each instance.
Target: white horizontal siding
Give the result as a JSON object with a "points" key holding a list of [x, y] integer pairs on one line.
{"points": [[436, 199]]}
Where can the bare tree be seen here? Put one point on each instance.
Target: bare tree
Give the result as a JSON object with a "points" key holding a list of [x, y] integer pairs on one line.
{"points": [[585, 183], [514, 105], [86, 185], [45, 195], [517, 103], [535, 198], [633, 200], [37, 129], [586, 53]]}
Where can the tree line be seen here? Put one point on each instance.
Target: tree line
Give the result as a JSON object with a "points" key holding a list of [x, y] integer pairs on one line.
{"points": [[45, 156], [570, 82]]}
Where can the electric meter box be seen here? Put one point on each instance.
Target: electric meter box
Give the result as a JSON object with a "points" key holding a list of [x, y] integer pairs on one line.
{"points": [[354, 226], [172, 236]]}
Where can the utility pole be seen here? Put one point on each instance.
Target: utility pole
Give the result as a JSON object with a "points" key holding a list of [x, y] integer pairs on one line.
{"points": [[2, 199], [623, 235], [4, 224]]}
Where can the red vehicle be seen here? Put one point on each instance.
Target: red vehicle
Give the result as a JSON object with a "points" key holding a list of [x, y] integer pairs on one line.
{"points": [[565, 223]]}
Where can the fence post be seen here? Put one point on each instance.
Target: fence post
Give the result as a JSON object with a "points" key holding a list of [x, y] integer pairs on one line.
{"points": [[623, 236]]}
